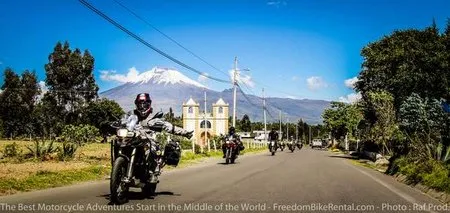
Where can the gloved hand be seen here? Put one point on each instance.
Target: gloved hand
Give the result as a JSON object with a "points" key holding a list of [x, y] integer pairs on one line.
{"points": [[189, 134]]}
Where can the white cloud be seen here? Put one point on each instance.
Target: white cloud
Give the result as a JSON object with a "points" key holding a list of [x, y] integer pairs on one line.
{"points": [[351, 98], [109, 75], [291, 97], [294, 78], [316, 82], [242, 78], [277, 3], [44, 88], [203, 78], [350, 83]]}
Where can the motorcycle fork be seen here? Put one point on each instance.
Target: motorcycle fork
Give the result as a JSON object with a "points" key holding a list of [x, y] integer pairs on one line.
{"points": [[130, 166]]}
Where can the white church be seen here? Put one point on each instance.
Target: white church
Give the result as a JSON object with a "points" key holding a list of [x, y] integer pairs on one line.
{"points": [[216, 121]]}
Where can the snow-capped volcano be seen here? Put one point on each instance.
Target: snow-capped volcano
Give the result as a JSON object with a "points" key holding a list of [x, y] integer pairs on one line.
{"points": [[165, 76], [169, 88]]}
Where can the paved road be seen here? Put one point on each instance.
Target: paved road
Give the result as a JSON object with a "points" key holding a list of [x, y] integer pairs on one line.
{"points": [[303, 181]]}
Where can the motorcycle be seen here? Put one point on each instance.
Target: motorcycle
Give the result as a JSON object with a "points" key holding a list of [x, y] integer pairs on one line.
{"points": [[231, 150], [282, 145], [137, 159], [299, 145], [291, 145], [272, 147]]}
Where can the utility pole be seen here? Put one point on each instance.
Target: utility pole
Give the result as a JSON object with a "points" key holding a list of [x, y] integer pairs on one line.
{"points": [[206, 126], [309, 134], [287, 128], [234, 91], [265, 124], [281, 135]]}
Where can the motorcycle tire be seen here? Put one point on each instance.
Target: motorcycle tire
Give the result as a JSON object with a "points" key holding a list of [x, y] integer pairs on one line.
{"points": [[233, 157], [149, 189], [118, 172], [227, 156]]}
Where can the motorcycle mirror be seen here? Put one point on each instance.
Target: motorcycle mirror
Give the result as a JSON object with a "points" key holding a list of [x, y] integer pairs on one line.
{"points": [[158, 115]]}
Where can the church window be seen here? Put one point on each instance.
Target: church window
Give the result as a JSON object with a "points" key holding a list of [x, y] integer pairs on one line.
{"points": [[190, 110], [220, 110], [208, 124]]}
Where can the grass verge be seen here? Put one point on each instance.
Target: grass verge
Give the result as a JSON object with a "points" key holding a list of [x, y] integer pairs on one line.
{"points": [[48, 179]]}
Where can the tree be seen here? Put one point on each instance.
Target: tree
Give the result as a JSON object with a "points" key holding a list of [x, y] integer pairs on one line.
{"points": [[29, 92], [385, 127], [102, 112], [246, 124], [342, 119], [169, 116], [426, 125], [17, 103], [70, 80], [10, 103], [405, 62]]}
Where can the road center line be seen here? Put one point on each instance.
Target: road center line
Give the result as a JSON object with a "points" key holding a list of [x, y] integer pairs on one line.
{"points": [[391, 188]]}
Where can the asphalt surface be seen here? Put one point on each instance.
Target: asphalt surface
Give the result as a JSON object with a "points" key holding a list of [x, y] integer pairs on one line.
{"points": [[304, 181]]}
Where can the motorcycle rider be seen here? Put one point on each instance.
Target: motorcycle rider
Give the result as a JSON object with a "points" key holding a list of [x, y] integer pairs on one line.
{"points": [[143, 104], [237, 138], [273, 136]]}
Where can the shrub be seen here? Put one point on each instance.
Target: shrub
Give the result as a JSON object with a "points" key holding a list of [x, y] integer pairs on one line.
{"points": [[185, 144], [438, 178], [12, 150], [67, 151], [80, 134], [41, 150]]}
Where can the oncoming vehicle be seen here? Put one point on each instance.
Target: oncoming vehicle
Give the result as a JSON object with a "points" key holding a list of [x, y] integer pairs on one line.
{"points": [[316, 143]]}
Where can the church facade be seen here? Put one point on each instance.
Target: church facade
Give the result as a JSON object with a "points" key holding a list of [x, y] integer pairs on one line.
{"points": [[205, 125]]}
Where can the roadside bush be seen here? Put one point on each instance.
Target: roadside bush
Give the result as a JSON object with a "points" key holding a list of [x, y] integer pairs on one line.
{"points": [[67, 151], [80, 134], [438, 178], [431, 173], [12, 150], [185, 144], [197, 149], [41, 150]]}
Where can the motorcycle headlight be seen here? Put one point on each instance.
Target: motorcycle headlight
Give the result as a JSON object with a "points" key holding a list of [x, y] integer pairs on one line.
{"points": [[122, 133]]}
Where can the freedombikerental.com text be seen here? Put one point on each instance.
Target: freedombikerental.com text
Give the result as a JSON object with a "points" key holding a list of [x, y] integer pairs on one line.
{"points": [[220, 207]]}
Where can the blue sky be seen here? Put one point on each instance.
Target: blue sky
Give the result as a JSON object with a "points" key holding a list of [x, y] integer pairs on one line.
{"points": [[300, 48]]}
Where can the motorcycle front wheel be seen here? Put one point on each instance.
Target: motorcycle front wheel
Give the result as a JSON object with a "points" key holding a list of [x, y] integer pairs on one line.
{"points": [[227, 156], [117, 188]]}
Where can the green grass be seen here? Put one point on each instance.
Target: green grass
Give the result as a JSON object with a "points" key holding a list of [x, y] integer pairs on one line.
{"points": [[46, 179], [362, 163]]}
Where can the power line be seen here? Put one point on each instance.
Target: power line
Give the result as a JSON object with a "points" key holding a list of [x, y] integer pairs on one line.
{"points": [[168, 37], [98, 12], [267, 103], [248, 99]]}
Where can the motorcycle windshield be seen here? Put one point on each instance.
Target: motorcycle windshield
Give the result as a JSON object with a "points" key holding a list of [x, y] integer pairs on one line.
{"points": [[130, 121]]}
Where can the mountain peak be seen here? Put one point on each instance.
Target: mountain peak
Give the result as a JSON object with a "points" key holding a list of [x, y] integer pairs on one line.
{"points": [[161, 75]]}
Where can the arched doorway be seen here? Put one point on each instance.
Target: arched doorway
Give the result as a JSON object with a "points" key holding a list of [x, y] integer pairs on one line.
{"points": [[202, 141]]}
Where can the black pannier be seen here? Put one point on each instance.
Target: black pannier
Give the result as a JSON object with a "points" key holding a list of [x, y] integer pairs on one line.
{"points": [[172, 153]]}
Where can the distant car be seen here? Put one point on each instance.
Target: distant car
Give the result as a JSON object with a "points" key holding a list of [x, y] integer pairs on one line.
{"points": [[316, 143]]}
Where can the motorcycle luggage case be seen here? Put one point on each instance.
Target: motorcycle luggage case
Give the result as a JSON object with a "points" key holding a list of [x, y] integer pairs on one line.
{"points": [[172, 154]]}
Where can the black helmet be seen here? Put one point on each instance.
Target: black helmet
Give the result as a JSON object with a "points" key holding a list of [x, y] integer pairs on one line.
{"points": [[143, 104], [231, 130]]}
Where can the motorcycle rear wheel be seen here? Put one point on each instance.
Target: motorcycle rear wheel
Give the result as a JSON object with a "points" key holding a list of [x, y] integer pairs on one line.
{"points": [[119, 192]]}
